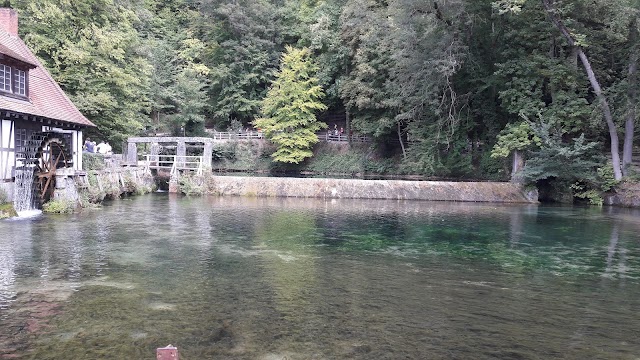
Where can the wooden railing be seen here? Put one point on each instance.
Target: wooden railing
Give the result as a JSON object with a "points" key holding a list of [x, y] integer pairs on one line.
{"points": [[326, 136], [218, 135], [329, 136], [173, 163]]}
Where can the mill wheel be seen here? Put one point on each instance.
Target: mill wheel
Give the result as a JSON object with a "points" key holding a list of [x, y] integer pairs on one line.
{"points": [[46, 153]]}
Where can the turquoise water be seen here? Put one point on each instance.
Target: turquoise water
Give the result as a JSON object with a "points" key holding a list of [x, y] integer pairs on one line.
{"points": [[247, 278]]}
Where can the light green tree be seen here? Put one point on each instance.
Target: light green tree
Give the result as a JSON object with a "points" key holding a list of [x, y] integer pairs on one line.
{"points": [[290, 107]]}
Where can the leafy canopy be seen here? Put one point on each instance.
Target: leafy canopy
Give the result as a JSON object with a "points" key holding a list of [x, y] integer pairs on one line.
{"points": [[290, 105]]}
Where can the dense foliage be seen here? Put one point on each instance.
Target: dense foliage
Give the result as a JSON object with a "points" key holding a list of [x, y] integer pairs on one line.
{"points": [[289, 109], [440, 85]]}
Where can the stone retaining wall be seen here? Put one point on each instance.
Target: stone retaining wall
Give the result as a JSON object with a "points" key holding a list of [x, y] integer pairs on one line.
{"points": [[372, 189], [114, 182]]}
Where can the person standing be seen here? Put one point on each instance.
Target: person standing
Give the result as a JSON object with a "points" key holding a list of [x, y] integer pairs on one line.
{"points": [[101, 148], [88, 146]]}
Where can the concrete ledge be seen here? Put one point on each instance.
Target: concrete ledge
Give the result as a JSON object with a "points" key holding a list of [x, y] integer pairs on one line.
{"points": [[372, 189]]}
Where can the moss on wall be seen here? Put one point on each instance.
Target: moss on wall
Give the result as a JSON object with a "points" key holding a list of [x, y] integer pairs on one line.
{"points": [[7, 211]]}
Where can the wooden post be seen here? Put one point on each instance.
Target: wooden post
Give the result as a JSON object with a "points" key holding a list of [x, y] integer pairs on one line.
{"points": [[208, 152], [181, 152]]}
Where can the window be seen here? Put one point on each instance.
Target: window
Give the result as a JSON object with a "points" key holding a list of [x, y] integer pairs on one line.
{"points": [[5, 78], [13, 80], [19, 83]]}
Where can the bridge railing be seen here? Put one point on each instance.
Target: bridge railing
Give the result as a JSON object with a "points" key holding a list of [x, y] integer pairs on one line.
{"points": [[218, 135], [330, 136], [325, 136], [174, 162]]}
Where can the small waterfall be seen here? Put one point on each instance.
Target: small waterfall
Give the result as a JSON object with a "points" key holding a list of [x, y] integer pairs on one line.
{"points": [[23, 197]]}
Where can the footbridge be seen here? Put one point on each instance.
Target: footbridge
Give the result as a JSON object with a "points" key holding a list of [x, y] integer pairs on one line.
{"points": [[202, 145]]}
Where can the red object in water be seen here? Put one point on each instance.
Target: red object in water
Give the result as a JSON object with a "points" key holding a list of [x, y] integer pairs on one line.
{"points": [[168, 352]]}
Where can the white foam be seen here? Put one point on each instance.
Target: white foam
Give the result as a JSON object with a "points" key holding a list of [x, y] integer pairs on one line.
{"points": [[29, 214]]}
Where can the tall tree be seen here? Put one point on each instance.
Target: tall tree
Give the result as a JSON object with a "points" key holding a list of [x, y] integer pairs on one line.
{"points": [[243, 47], [178, 86], [290, 108], [91, 48], [560, 13]]}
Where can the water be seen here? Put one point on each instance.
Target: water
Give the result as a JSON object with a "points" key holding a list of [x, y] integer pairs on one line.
{"points": [[23, 197], [241, 278]]}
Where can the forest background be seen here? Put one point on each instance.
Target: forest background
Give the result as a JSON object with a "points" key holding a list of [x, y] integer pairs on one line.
{"points": [[447, 88]]}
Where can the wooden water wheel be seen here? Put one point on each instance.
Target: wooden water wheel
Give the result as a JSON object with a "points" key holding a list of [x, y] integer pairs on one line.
{"points": [[46, 153]]}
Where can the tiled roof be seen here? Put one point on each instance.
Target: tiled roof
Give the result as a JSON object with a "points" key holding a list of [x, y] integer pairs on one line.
{"points": [[46, 98]]}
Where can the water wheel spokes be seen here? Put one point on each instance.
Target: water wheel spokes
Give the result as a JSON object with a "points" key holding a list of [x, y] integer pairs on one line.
{"points": [[52, 156]]}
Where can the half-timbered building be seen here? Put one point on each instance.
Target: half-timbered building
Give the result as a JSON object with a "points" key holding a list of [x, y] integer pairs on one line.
{"points": [[32, 103]]}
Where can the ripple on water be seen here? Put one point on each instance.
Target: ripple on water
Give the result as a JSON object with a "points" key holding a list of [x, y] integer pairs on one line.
{"points": [[122, 285], [137, 335], [160, 306]]}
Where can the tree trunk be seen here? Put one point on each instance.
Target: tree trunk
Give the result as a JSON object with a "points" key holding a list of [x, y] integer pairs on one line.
{"points": [[629, 124], [404, 153], [518, 164], [595, 85], [347, 125]]}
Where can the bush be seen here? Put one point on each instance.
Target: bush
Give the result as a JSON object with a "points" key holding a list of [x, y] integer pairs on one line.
{"points": [[606, 177], [242, 156], [92, 161], [7, 211], [195, 185], [59, 207]]}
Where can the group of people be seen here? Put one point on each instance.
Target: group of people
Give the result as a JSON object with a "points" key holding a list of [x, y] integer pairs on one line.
{"points": [[102, 148]]}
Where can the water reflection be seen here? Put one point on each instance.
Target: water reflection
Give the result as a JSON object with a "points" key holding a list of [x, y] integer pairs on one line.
{"points": [[240, 278]]}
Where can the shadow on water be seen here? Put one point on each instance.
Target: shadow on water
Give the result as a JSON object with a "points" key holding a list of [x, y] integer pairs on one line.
{"points": [[252, 278]]}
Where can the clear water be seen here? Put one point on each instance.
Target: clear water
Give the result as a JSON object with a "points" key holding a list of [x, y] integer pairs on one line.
{"points": [[243, 278]]}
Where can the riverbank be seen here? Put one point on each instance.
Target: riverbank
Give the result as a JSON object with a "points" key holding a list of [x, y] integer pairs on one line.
{"points": [[627, 194], [501, 192]]}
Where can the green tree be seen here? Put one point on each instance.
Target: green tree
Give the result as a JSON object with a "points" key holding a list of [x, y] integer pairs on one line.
{"points": [[400, 87], [290, 105], [243, 45], [91, 48], [178, 86], [590, 29]]}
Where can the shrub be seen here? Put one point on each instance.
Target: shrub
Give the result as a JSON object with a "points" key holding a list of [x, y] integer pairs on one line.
{"points": [[7, 211], [194, 185], [606, 177], [92, 161], [59, 207]]}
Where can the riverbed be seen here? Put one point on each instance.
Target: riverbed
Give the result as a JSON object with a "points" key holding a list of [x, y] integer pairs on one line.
{"points": [[273, 278]]}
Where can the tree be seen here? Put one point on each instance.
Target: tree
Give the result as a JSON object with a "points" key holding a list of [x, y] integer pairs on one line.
{"points": [[178, 86], [243, 44], [403, 58], [290, 105], [612, 15], [91, 48]]}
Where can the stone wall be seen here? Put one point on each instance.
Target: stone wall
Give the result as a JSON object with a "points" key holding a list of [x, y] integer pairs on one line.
{"points": [[115, 182], [372, 189]]}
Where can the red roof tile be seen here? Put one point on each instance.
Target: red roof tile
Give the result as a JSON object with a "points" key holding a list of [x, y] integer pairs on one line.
{"points": [[46, 98]]}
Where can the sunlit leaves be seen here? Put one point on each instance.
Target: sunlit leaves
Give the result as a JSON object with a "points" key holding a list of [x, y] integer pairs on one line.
{"points": [[91, 49], [290, 107]]}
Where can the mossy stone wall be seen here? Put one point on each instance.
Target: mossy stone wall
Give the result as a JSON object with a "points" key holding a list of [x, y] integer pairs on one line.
{"points": [[373, 189]]}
